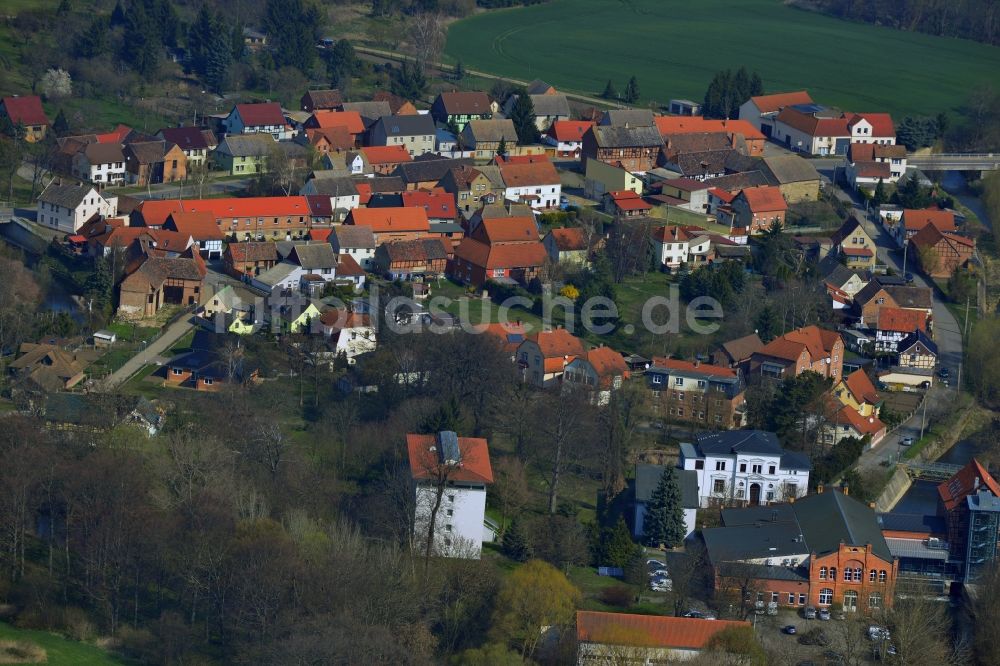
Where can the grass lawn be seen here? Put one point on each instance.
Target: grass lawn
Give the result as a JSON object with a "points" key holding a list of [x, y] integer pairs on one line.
{"points": [[184, 344], [60, 651], [674, 48]]}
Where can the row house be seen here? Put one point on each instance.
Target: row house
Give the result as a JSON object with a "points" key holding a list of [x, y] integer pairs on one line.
{"points": [[821, 550], [257, 218], [474, 187], [816, 130], [358, 242], [339, 122], [745, 467], [868, 164], [247, 259], [263, 118], [808, 348], [244, 154], [149, 162], [692, 392], [100, 163], [634, 149]]}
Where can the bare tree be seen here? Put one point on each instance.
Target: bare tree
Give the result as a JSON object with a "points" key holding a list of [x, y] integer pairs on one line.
{"points": [[562, 427], [510, 487], [426, 36]]}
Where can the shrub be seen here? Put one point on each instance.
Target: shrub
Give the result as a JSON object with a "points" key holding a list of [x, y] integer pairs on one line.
{"points": [[616, 595]]}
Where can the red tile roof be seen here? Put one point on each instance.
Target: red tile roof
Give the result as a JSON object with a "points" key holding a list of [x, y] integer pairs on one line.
{"points": [[818, 342], [347, 266], [857, 252], [870, 425], [501, 255], [154, 212], [653, 631], [386, 154], [390, 219], [872, 170], [349, 119], [901, 320], [509, 334], [930, 236], [881, 123], [778, 101], [632, 204], [569, 239], [524, 175], [861, 387], [721, 194], [425, 459], [200, 225], [568, 131], [26, 110], [338, 137], [954, 491], [117, 135], [265, 113], [671, 234], [439, 205], [319, 234], [764, 199], [916, 219], [506, 230], [674, 125]]}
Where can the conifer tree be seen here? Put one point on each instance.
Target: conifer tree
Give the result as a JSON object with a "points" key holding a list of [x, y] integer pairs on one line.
{"points": [[632, 91], [664, 521], [515, 543], [60, 125], [523, 117], [609, 91]]}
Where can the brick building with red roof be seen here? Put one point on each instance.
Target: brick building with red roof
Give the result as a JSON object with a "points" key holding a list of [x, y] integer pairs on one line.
{"points": [[202, 229], [941, 253], [27, 112], [600, 371], [757, 208], [503, 248], [737, 131], [808, 348], [238, 218], [602, 638], [543, 356], [761, 110], [970, 504]]}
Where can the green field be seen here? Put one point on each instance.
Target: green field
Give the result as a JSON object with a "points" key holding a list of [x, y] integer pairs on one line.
{"points": [[675, 47]]}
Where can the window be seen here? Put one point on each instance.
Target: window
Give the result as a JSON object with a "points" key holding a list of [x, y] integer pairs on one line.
{"points": [[177, 371], [451, 499], [450, 512], [802, 598], [447, 527], [720, 465], [770, 469], [701, 383], [875, 600], [881, 576], [718, 486], [826, 596], [743, 467], [822, 573], [678, 381], [774, 597], [871, 576], [756, 469], [791, 598], [657, 379], [858, 574], [847, 574], [699, 464]]}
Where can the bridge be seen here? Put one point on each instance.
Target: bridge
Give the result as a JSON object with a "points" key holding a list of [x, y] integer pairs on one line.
{"points": [[955, 161], [930, 471]]}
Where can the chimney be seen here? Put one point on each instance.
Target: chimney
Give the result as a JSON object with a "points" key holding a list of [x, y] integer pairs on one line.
{"points": [[791, 500], [871, 505], [697, 363], [975, 485], [819, 489]]}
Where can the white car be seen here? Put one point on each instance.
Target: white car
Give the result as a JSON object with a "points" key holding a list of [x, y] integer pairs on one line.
{"points": [[876, 632]]}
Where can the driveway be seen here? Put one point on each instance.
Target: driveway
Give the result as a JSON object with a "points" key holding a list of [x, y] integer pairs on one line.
{"points": [[153, 351]]}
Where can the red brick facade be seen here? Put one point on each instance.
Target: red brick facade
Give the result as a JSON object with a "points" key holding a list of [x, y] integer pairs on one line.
{"points": [[854, 577]]}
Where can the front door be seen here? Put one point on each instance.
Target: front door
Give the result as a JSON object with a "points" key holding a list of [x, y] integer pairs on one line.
{"points": [[850, 601], [754, 494]]}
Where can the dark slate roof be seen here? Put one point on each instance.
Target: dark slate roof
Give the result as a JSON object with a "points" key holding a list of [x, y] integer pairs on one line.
{"points": [[794, 460], [315, 255], [837, 273], [765, 572], [342, 186], [741, 542], [608, 136], [789, 169], [751, 515], [629, 117], [647, 477], [67, 196], [913, 522], [406, 125], [550, 105], [829, 518], [421, 171], [354, 236], [727, 442], [738, 181], [914, 338], [911, 296], [383, 183]]}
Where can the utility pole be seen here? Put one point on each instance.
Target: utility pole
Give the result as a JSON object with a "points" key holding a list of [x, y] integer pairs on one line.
{"points": [[923, 418], [965, 330], [906, 246]]}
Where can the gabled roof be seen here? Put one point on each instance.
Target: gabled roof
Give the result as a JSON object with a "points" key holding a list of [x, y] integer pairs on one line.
{"points": [[850, 226], [146, 152], [614, 136], [525, 175], [539, 87], [265, 113], [930, 236], [419, 125], [966, 481], [569, 130], [424, 171], [492, 130], [913, 339], [607, 363], [910, 296], [339, 138], [550, 105], [569, 239], [649, 631], [472, 103], [696, 369], [778, 101], [390, 219], [67, 196], [428, 457], [647, 478], [103, 153], [818, 342], [764, 199], [917, 219], [509, 334], [628, 117], [340, 186], [324, 99], [678, 125], [438, 204], [743, 348], [199, 226], [558, 343], [506, 230], [671, 234], [154, 212], [26, 110], [386, 154], [864, 426], [422, 250], [350, 120], [861, 388], [881, 123], [501, 255], [790, 169], [351, 236], [247, 145], [371, 110], [831, 517], [189, 138], [314, 255], [728, 442], [251, 251], [901, 320]]}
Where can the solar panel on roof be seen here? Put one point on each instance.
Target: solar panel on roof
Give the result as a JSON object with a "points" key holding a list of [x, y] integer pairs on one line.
{"points": [[515, 337], [450, 453]]}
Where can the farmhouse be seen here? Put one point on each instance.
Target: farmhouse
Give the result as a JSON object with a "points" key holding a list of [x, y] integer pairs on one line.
{"points": [[635, 149]]}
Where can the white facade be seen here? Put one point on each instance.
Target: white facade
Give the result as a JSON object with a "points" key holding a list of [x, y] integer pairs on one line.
{"points": [[106, 173], [745, 477], [547, 195], [69, 220], [673, 253], [234, 124], [352, 340], [458, 524]]}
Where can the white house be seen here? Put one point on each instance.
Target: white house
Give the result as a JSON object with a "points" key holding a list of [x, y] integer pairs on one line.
{"points": [[760, 111], [351, 333], [344, 195], [101, 163], [450, 475], [746, 466], [567, 137], [356, 241], [67, 207], [671, 246], [816, 130], [535, 183], [265, 118]]}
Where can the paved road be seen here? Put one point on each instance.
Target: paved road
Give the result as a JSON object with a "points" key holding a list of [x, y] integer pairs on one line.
{"points": [[156, 349]]}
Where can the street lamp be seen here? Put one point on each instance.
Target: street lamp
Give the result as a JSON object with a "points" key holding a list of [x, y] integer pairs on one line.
{"points": [[906, 246]]}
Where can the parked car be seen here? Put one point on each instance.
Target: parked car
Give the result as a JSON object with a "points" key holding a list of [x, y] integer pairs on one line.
{"points": [[876, 632], [788, 629], [661, 584], [908, 277], [906, 441], [943, 372], [809, 613], [823, 614], [699, 615]]}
